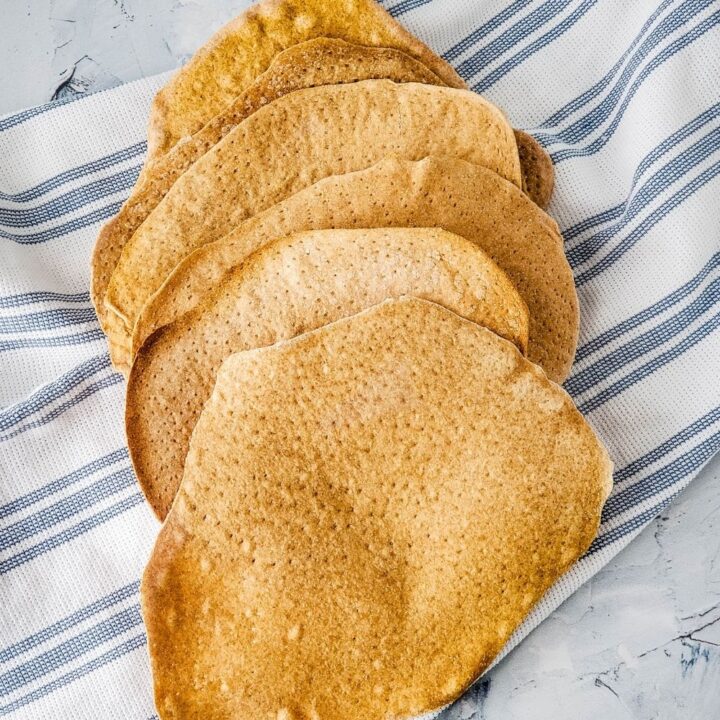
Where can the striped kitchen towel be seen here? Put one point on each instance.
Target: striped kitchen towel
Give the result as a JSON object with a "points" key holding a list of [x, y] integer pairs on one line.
{"points": [[626, 98]]}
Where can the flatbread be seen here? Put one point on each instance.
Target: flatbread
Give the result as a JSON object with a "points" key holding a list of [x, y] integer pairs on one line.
{"points": [[317, 62], [367, 513], [538, 174], [322, 61], [292, 143], [293, 285], [229, 62], [463, 198]]}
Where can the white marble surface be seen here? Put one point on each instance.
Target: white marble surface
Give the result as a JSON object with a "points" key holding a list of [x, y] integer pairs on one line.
{"points": [[641, 640]]}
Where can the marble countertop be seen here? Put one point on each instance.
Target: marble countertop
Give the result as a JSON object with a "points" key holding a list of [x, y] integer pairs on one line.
{"points": [[641, 640]]}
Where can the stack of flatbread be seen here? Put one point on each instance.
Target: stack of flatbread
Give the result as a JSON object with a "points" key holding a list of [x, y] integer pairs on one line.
{"points": [[342, 312]]}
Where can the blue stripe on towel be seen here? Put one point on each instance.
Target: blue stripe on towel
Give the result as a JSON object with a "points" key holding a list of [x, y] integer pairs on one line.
{"points": [[52, 210], [653, 365], [80, 338], [675, 47], [80, 171], [32, 298], [639, 464], [485, 29], [583, 126], [543, 41], [53, 233], [645, 343], [86, 525], [661, 479], [648, 161], [28, 500], [71, 649], [124, 648], [592, 92], [61, 626], [650, 312], [15, 414], [46, 320], [654, 186], [63, 509], [674, 201], [511, 37]]}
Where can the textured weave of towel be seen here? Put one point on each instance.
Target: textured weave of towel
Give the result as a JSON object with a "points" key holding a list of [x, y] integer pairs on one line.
{"points": [[624, 96]]}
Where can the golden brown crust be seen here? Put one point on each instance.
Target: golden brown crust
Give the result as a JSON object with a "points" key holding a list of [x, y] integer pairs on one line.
{"points": [[317, 62], [241, 50], [458, 196], [290, 144], [367, 513], [537, 169], [290, 286]]}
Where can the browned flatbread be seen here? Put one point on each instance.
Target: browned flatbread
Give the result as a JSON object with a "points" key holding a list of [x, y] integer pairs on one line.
{"points": [[240, 51], [367, 513], [537, 169], [463, 198], [322, 61], [317, 62], [292, 143], [291, 286]]}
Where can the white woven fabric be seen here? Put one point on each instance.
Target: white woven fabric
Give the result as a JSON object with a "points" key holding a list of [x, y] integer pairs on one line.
{"points": [[625, 96]]}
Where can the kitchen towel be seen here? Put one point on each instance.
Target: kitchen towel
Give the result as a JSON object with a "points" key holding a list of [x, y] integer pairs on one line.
{"points": [[626, 98]]}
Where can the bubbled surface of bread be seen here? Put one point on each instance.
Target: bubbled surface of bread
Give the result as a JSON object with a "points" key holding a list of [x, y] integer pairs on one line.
{"points": [[367, 513], [322, 61], [242, 49], [291, 286], [439, 191], [293, 142], [538, 174]]}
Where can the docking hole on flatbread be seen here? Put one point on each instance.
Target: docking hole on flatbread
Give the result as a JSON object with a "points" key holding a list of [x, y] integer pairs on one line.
{"points": [[439, 191], [295, 284], [292, 143], [367, 513]]}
